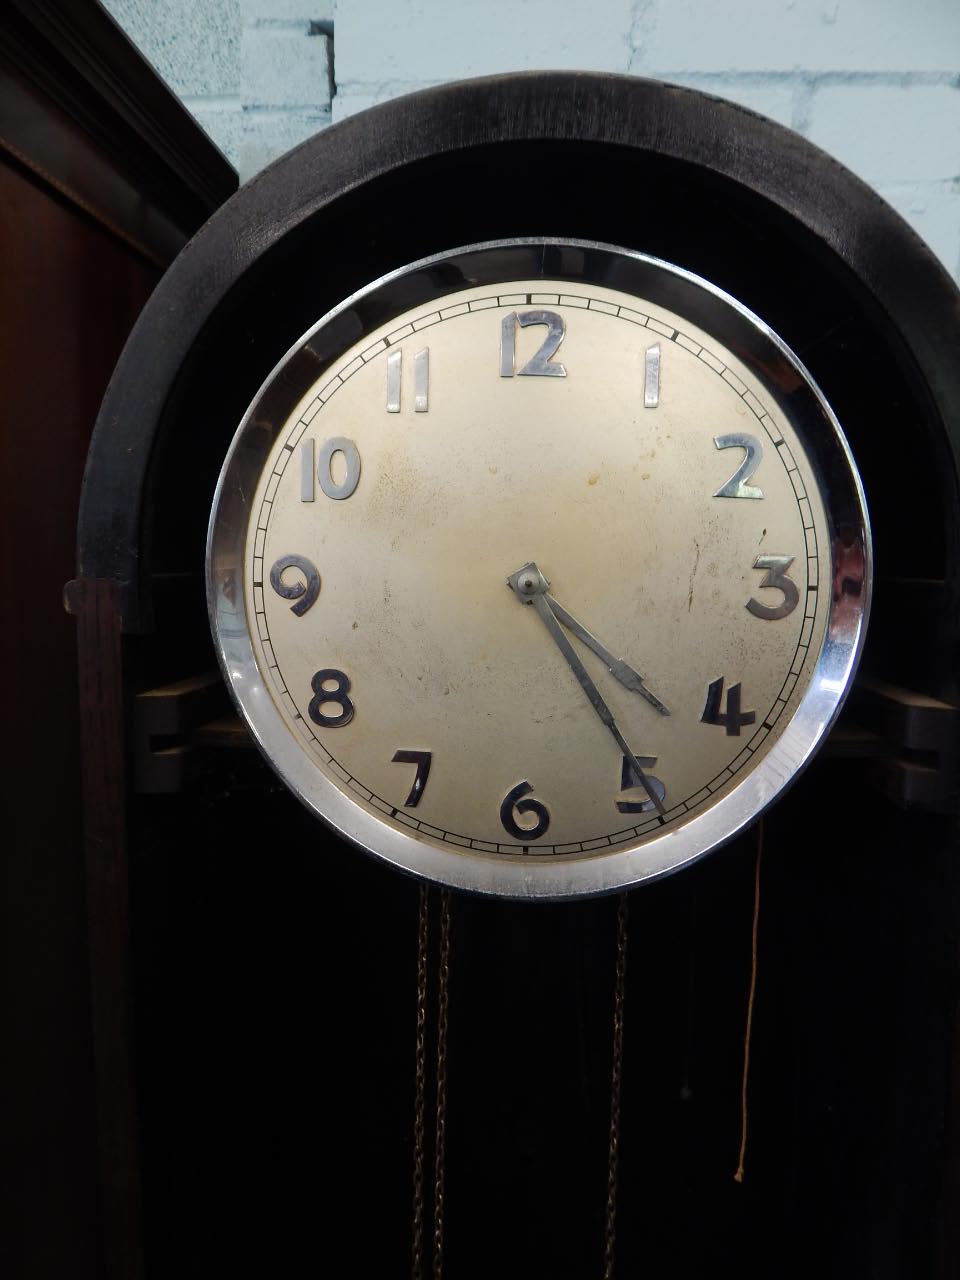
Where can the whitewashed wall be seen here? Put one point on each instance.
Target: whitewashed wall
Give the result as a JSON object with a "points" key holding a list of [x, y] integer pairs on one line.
{"points": [[874, 82]]}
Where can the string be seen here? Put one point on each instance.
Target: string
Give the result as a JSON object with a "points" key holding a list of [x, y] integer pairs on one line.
{"points": [[748, 1033]]}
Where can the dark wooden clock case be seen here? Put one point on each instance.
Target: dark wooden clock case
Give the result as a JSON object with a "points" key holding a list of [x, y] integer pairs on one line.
{"points": [[273, 969]]}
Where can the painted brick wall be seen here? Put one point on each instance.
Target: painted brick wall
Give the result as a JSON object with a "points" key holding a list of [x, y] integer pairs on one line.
{"points": [[256, 74], [874, 82]]}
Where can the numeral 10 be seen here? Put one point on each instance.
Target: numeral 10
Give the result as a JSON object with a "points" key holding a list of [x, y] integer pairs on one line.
{"points": [[319, 467]]}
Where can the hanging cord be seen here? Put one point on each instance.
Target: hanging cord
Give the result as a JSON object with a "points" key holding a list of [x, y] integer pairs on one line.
{"points": [[613, 1151], [443, 985], [419, 1116], [748, 1033]]}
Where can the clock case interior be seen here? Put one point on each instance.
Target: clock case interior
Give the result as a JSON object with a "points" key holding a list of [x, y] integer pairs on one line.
{"points": [[273, 969]]}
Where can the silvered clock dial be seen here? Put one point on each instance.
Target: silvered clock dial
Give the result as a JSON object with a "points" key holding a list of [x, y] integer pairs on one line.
{"points": [[539, 568]]}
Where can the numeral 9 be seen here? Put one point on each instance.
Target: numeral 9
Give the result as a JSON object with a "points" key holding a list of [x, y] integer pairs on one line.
{"points": [[304, 593]]}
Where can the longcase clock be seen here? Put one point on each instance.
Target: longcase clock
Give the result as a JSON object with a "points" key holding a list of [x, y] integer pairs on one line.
{"points": [[513, 496]]}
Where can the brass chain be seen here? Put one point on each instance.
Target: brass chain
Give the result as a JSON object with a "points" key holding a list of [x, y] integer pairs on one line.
{"points": [[420, 1106], [443, 1003], [419, 1126], [616, 1075]]}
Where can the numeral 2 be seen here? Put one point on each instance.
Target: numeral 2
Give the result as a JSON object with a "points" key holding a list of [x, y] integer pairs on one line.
{"points": [[737, 486], [538, 366]]}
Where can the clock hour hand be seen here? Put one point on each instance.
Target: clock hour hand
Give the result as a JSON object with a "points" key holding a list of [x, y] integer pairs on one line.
{"points": [[619, 669], [531, 587]]}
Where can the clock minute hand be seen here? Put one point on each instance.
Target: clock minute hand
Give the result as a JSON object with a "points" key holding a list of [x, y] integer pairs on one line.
{"points": [[593, 693], [619, 669], [530, 586]]}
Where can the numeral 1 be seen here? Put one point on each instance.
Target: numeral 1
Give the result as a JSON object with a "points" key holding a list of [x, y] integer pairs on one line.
{"points": [[651, 377]]}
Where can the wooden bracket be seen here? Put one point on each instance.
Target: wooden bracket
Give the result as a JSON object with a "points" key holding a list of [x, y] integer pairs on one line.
{"points": [[920, 771], [167, 723]]}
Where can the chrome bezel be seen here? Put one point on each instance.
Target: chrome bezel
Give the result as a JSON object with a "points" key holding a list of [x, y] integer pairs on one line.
{"points": [[784, 379]]}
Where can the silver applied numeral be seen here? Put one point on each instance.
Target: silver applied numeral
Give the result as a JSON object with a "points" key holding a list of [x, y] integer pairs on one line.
{"points": [[538, 366], [423, 760], [325, 697], [629, 780], [307, 471], [734, 718], [394, 370], [776, 576], [421, 381], [343, 489], [737, 486], [651, 377], [513, 801], [304, 593]]}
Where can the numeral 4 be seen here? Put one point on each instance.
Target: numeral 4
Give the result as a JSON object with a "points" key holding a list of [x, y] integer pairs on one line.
{"points": [[733, 717]]}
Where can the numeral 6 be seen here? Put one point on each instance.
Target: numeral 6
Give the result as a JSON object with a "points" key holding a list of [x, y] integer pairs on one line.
{"points": [[512, 800]]}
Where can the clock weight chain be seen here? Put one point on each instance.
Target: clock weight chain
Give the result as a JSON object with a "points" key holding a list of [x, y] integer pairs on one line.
{"points": [[421, 1073], [419, 1114], [443, 988], [420, 1089], [616, 1080]]}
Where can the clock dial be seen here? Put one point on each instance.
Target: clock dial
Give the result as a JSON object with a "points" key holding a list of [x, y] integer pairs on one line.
{"points": [[527, 584]]}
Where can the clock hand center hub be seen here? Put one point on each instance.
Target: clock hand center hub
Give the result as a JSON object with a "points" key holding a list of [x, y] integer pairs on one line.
{"points": [[528, 582]]}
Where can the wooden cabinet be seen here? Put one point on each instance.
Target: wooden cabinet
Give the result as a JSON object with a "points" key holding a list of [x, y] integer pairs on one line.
{"points": [[103, 176]]}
